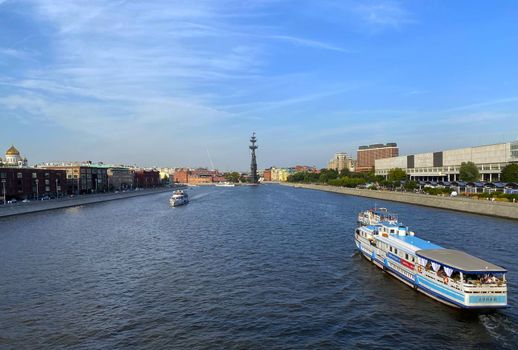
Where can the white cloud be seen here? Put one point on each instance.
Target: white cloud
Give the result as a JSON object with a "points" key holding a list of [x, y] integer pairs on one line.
{"points": [[383, 13]]}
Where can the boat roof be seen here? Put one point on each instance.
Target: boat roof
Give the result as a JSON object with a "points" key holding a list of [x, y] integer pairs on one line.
{"points": [[390, 224], [459, 260], [418, 242]]}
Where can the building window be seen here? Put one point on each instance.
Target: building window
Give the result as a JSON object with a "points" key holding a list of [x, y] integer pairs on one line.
{"points": [[19, 175], [47, 188], [47, 181], [514, 150]]}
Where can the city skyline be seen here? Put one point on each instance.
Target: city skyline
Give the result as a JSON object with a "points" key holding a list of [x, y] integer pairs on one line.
{"points": [[168, 83]]}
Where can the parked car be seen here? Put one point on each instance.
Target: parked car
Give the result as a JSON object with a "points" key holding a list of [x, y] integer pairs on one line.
{"points": [[45, 198], [11, 201], [26, 201]]}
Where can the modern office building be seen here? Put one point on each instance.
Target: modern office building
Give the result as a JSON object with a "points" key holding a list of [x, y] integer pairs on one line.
{"points": [[340, 161], [445, 165], [367, 155]]}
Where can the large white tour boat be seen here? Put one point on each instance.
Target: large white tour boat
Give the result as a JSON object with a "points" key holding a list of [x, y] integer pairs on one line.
{"points": [[450, 276], [179, 198]]}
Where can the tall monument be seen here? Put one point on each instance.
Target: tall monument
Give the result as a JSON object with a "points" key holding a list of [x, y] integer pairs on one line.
{"points": [[253, 166]]}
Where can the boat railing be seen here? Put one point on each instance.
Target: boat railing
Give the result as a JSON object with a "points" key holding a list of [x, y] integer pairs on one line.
{"points": [[444, 280], [478, 284]]}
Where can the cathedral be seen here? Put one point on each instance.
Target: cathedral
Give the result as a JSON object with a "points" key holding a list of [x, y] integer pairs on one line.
{"points": [[13, 158]]}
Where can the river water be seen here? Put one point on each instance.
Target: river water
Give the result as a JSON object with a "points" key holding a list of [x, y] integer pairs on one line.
{"points": [[266, 267]]}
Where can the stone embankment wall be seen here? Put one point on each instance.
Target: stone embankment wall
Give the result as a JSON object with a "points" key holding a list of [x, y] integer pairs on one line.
{"points": [[483, 207], [37, 206]]}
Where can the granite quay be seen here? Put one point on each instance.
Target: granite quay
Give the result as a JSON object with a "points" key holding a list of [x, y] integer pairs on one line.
{"points": [[67, 202], [482, 207]]}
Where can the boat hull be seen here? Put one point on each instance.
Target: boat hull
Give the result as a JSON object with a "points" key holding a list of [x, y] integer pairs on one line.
{"points": [[177, 203]]}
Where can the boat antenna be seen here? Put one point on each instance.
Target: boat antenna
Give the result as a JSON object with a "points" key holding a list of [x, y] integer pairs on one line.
{"points": [[210, 158]]}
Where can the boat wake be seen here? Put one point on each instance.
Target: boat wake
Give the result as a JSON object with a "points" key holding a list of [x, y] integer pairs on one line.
{"points": [[501, 328], [200, 196]]}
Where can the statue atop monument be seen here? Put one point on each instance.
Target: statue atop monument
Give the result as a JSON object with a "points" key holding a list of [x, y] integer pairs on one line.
{"points": [[254, 178]]}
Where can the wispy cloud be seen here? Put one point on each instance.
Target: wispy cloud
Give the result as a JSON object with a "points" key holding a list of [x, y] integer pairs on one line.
{"points": [[383, 13], [309, 43], [493, 102]]}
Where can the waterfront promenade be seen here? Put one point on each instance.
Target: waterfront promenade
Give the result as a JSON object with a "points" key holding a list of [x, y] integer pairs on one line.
{"points": [[67, 202], [483, 207]]}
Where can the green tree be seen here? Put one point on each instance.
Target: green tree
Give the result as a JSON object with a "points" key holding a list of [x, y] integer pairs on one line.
{"points": [[396, 174], [165, 179], [510, 173], [311, 177], [327, 174], [468, 172], [345, 172], [410, 185], [297, 177], [232, 177]]}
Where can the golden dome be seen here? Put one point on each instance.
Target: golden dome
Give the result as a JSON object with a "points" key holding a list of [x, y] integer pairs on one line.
{"points": [[12, 151]]}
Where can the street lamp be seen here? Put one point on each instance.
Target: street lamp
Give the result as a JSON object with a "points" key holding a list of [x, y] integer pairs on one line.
{"points": [[37, 189], [3, 189]]}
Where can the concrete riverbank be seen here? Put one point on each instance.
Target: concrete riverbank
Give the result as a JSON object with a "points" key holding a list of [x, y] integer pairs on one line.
{"points": [[500, 209], [37, 206]]}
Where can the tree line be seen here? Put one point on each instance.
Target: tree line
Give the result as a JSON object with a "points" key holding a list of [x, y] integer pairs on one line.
{"points": [[396, 177]]}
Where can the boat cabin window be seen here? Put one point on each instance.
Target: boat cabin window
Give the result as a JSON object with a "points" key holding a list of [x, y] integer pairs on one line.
{"points": [[406, 256], [395, 250]]}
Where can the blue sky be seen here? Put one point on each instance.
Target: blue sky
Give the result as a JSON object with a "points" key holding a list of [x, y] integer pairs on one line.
{"points": [[162, 82]]}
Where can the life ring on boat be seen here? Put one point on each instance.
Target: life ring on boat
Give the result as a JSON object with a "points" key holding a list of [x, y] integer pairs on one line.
{"points": [[445, 280], [420, 269]]}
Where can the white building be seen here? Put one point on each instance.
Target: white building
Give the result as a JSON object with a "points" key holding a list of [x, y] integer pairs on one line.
{"points": [[341, 161], [445, 165]]}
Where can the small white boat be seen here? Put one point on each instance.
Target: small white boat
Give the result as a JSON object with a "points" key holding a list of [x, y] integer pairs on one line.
{"points": [[225, 184], [179, 198]]}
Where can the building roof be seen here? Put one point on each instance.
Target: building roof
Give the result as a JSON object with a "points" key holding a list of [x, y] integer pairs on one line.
{"points": [[459, 260], [12, 151]]}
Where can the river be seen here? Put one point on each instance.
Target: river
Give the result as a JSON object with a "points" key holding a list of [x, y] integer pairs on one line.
{"points": [[267, 267]]}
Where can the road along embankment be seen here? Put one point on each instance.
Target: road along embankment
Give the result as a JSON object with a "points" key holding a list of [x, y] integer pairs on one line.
{"points": [[500, 209], [37, 206]]}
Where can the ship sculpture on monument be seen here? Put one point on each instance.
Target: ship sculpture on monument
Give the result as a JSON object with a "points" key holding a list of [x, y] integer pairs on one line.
{"points": [[254, 178]]}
